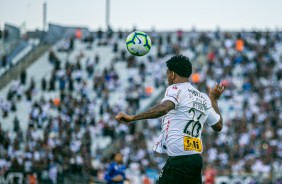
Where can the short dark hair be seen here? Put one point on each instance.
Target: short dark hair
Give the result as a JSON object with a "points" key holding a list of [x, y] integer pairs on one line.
{"points": [[113, 155], [181, 65]]}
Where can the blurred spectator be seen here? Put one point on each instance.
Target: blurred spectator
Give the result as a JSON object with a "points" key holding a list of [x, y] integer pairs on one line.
{"points": [[4, 61], [109, 32], [179, 35], [116, 170], [89, 67], [23, 77], [100, 34], [43, 84], [52, 84], [71, 44], [120, 35], [210, 175], [97, 59], [115, 48], [16, 124]]}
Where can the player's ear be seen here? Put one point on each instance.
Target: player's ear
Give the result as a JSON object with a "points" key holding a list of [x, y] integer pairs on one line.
{"points": [[173, 75]]}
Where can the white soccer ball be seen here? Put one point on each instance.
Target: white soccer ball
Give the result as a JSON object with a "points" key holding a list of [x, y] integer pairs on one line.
{"points": [[138, 43]]}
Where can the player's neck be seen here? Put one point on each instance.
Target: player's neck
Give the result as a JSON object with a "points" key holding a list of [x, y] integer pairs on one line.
{"points": [[180, 80]]}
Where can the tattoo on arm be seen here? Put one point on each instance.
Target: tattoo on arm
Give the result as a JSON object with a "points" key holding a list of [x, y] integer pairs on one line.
{"points": [[156, 111]]}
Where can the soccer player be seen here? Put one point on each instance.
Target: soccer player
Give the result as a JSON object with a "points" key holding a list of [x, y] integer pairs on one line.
{"points": [[185, 110], [116, 170]]}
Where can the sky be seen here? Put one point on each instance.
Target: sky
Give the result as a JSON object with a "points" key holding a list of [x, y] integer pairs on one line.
{"points": [[146, 14]]}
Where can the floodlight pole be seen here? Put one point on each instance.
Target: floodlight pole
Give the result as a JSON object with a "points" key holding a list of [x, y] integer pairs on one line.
{"points": [[44, 15], [107, 14]]}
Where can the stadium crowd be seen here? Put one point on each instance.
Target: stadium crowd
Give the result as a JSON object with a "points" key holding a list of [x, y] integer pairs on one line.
{"points": [[61, 130]]}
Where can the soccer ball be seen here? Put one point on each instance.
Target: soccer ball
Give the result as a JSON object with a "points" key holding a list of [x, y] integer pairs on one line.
{"points": [[138, 43]]}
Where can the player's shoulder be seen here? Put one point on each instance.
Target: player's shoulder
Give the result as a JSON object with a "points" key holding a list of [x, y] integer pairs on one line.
{"points": [[178, 86], [173, 89], [174, 86], [112, 164]]}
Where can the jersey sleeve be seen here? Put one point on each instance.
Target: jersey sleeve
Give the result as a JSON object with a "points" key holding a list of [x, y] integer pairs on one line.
{"points": [[123, 172], [172, 94], [108, 175], [213, 117]]}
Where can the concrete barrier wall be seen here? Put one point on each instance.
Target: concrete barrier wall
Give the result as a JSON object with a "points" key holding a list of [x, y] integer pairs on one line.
{"points": [[25, 62]]}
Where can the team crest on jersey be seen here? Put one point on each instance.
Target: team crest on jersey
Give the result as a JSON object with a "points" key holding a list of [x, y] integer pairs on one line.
{"points": [[174, 87]]}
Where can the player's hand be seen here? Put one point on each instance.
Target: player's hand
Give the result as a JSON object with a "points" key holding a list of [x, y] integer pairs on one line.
{"points": [[118, 178], [122, 117], [216, 91]]}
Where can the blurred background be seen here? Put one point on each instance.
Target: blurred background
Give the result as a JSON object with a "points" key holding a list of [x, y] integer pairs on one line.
{"points": [[65, 73]]}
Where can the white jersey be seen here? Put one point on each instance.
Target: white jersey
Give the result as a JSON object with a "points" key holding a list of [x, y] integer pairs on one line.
{"points": [[182, 126]]}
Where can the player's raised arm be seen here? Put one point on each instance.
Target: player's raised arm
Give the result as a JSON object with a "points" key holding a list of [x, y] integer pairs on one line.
{"points": [[214, 94], [154, 112]]}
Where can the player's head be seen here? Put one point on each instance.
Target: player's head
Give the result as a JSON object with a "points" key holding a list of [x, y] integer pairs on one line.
{"points": [[117, 157], [178, 67]]}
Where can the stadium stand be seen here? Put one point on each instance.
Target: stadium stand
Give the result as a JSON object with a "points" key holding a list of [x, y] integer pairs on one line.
{"points": [[57, 119]]}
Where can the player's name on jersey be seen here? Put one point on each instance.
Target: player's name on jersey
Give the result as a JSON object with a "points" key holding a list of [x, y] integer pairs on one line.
{"points": [[195, 93], [199, 106], [199, 101]]}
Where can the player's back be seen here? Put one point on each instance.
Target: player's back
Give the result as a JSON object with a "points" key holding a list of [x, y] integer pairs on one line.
{"points": [[182, 127]]}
